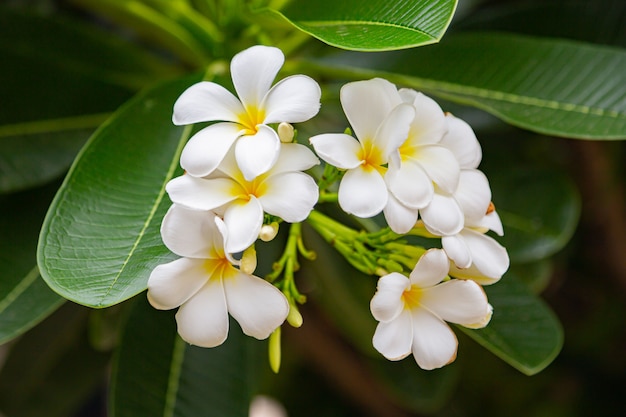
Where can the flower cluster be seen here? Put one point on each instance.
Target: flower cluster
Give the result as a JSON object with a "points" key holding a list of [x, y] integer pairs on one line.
{"points": [[238, 170], [408, 160]]}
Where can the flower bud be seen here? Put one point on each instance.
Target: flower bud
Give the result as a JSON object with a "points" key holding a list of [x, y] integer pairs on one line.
{"points": [[274, 350], [248, 261], [285, 132], [294, 318], [268, 232]]}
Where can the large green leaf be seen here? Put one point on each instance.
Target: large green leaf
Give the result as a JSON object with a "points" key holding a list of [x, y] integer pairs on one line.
{"points": [[555, 87], [24, 298], [155, 373], [523, 331], [101, 239], [375, 25]]}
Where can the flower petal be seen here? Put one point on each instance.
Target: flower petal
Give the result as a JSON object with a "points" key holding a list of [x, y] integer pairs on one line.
{"points": [[257, 305], [440, 165], [256, 154], [206, 102], [461, 140], [294, 157], [173, 283], [393, 339], [290, 196], [430, 269], [294, 99], [434, 343], [367, 103], [457, 301], [207, 148], [488, 256], [387, 303], [428, 126], [409, 184], [393, 130], [190, 233], [337, 149], [442, 216], [489, 221], [201, 194], [473, 195], [457, 250], [253, 70], [203, 319], [400, 218], [362, 192], [243, 221]]}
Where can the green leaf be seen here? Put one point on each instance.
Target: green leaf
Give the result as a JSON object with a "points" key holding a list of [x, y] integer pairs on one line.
{"points": [[25, 299], [523, 331], [555, 87], [375, 25], [539, 210], [101, 239], [155, 373]]}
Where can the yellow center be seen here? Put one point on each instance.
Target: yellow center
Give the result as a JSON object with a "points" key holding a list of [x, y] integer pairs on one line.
{"points": [[252, 117], [219, 268], [243, 189], [371, 157], [412, 297]]}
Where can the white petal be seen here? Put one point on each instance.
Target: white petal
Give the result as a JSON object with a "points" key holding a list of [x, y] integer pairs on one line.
{"points": [[488, 256], [461, 140], [387, 303], [434, 343], [431, 269], [393, 339], [457, 250], [201, 194], [203, 319], [362, 192], [207, 148], [257, 305], [394, 130], [440, 165], [253, 70], [190, 233], [337, 149], [294, 157], [442, 216], [243, 221], [256, 154], [171, 284], [409, 184], [294, 99], [489, 221], [471, 273], [205, 102], [473, 195], [400, 218], [367, 103], [290, 196], [457, 301], [429, 125]]}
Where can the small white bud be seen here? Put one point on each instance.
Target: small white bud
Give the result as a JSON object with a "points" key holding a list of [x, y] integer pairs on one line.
{"points": [[268, 232], [285, 132], [248, 261]]}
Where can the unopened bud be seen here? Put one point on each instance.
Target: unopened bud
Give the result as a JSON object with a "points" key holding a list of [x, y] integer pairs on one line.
{"points": [[294, 318], [274, 350], [285, 132], [268, 232], [248, 261]]}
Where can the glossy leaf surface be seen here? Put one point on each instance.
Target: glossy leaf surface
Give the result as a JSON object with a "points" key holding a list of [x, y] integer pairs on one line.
{"points": [[101, 237], [376, 25]]}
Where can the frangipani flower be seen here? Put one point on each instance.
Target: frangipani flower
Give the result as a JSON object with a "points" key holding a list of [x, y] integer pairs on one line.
{"points": [[283, 191], [413, 312], [206, 286], [380, 122], [244, 121]]}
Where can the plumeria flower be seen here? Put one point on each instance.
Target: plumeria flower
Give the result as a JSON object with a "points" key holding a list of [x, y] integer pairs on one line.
{"points": [[423, 164], [413, 312], [206, 286], [474, 254], [244, 121], [380, 122], [283, 191]]}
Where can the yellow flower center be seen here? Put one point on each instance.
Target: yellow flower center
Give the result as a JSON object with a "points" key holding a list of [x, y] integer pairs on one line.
{"points": [[243, 189], [371, 157], [252, 117], [412, 296], [219, 268]]}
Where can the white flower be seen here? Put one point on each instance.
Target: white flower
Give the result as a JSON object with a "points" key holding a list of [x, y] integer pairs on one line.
{"points": [[207, 287], [282, 191], [412, 312], [380, 121], [475, 255], [244, 121]]}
